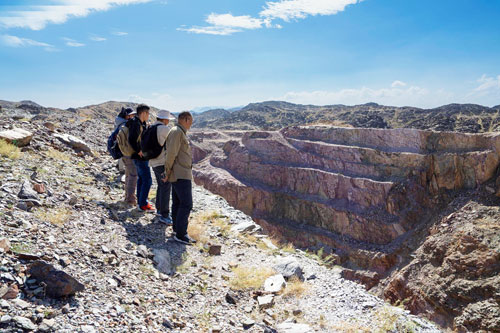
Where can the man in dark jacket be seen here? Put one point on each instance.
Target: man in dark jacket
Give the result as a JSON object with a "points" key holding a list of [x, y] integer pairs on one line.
{"points": [[137, 126]]}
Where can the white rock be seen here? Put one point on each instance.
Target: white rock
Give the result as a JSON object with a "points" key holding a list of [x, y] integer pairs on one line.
{"points": [[5, 319], [142, 251], [293, 328], [47, 325], [247, 226], [20, 303], [17, 136], [112, 283], [274, 284], [24, 323], [265, 302]]}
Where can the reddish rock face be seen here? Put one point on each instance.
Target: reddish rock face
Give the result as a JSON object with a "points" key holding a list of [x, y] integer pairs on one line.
{"points": [[454, 278]]}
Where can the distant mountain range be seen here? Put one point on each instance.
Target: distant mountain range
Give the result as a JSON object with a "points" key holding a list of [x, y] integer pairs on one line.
{"points": [[273, 115]]}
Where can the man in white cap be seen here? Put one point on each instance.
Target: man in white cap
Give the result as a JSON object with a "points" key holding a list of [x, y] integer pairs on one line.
{"points": [[158, 164]]}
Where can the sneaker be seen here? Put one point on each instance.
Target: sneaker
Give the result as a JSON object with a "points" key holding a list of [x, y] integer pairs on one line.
{"points": [[165, 220], [147, 208], [184, 239]]}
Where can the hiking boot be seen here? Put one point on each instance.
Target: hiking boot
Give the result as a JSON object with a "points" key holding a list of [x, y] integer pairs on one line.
{"points": [[165, 220], [130, 202], [147, 208], [184, 239]]}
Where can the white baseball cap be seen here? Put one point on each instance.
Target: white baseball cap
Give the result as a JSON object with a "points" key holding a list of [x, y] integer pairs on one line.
{"points": [[164, 114]]}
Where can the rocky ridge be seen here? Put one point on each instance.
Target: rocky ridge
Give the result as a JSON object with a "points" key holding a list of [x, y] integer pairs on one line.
{"points": [[274, 115], [60, 206]]}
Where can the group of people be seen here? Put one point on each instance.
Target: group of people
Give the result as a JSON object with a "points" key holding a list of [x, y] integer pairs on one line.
{"points": [[172, 167]]}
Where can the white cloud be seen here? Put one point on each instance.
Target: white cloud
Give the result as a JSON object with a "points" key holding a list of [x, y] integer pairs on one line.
{"points": [[398, 83], [227, 24], [300, 9], [120, 33], [488, 83], [72, 43], [398, 96], [486, 91], [160, 100], [14, 41], [57, 12], [228, 20], [212, 30], [97, 39]]}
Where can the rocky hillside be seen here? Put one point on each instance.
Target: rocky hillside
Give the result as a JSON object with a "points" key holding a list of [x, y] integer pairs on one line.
{"points": [[74, 259], [369, 199], [104, 112], [276, 115]]}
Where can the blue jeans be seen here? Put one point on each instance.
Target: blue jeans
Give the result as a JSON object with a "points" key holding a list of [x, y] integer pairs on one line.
{"points": [[162, 193], [144, 182], [182, 203]]}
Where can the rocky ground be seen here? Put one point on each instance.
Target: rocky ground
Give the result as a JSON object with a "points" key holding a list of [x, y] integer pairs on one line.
{"points": [[63, 207]]}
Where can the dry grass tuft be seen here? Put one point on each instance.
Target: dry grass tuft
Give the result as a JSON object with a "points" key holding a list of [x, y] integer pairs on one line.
{"points": [[9, 150], [349, 327], [197, 229], [386, 318], [57, 155], [199, 223], [295, 288], [57, 217], [250, 277]]}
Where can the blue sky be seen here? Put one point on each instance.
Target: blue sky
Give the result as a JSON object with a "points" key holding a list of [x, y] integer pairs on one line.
{"points": [[183, 54]]}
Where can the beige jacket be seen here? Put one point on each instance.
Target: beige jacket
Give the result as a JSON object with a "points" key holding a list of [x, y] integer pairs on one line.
{"points": [[179, 158], [161, 134]]}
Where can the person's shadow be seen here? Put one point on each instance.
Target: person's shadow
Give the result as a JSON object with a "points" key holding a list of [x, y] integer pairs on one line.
{"points": [[154, 235]]}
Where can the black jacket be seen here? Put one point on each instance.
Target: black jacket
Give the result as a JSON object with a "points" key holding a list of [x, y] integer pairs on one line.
{"points": [[135, 129]]}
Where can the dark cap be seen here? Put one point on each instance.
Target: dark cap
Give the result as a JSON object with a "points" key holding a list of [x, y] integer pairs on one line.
{"points": [[129, 111]]}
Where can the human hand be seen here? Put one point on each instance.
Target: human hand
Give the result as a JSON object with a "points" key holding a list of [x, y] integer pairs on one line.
{"points": [[164, 176], [141, 154]]}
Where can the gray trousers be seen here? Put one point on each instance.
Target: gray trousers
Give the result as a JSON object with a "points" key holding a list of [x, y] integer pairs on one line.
{"points": [[130, 180], [162, 192]]}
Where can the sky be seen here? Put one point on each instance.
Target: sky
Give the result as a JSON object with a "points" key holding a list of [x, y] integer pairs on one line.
{"points": [[185, 54]]}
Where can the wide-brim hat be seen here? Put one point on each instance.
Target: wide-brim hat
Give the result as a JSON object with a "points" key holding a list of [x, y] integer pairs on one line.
{"points": [[164, 114]]}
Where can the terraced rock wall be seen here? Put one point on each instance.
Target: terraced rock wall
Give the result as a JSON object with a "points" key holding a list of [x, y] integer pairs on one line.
{"points": [[359, 192]]}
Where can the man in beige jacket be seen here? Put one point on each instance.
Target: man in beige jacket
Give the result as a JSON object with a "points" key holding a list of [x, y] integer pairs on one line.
{"points": [[178, 171]]}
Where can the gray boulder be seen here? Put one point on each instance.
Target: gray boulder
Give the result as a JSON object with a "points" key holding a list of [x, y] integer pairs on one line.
{"points": [[289, 267], [73, 142], [163, 261], [27, 191]]}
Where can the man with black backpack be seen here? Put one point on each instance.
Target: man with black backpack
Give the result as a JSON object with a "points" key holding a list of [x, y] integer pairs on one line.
{"points": [[159, 132], [136, 127], [113, 148]]}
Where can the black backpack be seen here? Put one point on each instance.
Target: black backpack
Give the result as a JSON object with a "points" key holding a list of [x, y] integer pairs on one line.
{"points": [[149, 143], [113, 148]]}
